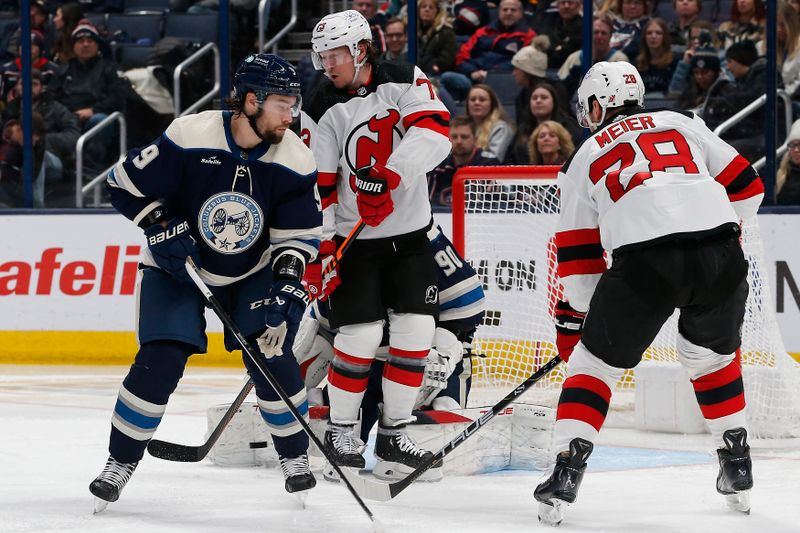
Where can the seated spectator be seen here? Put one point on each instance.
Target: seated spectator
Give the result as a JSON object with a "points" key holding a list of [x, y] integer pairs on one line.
{"points": [[703, 79], [65, 21], [61, 129], [656, 61], [747, 23], [376, 19], [787, 180], [628, 18], [550, 144], [396, 42], [89, 86], [493, 131], [687, 12], [571, 72], [565, 29], [40, 21], [465, 152], [470, 15], [530, 69], [10, 72], [789, 47], [436, 52], [490, 49], [543, 105], [46, 167]]}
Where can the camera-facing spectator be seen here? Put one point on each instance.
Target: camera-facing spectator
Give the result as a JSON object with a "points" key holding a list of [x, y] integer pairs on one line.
{"points": [[66, 19], [687, 12], [490, 49], [787, 180], [656, 61], [543, 105], [530, 69], [40, 21], [437, 40], [396, 42], [465, 152], [704, 79], [46, 167], [747, 22], [628, 18], [570, 71], [565, 29], [550, 144], [493, 131], [10, 72]]}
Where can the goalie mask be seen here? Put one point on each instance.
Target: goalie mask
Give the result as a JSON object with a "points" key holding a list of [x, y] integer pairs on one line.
{"points": [[346, 28], [613, 85]]}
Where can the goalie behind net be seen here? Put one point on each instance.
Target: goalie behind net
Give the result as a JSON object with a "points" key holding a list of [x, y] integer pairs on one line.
{"points": [[504, 220]]}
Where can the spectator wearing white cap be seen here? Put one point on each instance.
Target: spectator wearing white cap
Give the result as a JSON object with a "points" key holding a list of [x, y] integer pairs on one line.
{"points": [[787, 180], [530, 69]]}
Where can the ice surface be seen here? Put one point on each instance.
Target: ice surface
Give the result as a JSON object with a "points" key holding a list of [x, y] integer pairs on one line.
{"points": [[54, 434]]}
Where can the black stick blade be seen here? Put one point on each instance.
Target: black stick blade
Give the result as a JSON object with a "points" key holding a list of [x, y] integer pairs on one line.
{"points": [[176, 452]]}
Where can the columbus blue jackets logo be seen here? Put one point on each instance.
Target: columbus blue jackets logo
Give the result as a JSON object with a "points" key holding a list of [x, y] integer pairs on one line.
{"points": [[230, 222]]}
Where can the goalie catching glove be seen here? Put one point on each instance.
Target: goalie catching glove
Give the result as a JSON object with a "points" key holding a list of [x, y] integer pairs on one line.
{"points": [[170, 246], [374, 197], [446, 353], [569, 325]]}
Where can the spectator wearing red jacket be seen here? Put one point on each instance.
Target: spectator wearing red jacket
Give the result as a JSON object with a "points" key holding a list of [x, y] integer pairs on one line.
{"points": [[490, 49]]}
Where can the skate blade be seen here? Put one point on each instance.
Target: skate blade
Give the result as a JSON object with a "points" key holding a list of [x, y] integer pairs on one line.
{"points": [[329, 474], [739, 501], [100, 505], [301, 498], [552, 514], [388, 471]]}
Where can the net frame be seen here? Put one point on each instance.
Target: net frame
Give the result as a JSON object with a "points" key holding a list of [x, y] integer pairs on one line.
{"points": [[504, 356]]}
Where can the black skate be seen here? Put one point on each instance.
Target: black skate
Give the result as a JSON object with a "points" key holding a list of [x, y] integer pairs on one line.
{"points": [[345, 447], [297, 474], [561, 488], [735, 477], [109, 484], [398, 455]]}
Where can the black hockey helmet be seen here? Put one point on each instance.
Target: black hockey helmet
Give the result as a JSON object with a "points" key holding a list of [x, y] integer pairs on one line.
{"points": [[265, 74]]}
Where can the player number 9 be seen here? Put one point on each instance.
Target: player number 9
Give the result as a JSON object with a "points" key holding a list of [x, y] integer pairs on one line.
{"points": [[145, 156]]}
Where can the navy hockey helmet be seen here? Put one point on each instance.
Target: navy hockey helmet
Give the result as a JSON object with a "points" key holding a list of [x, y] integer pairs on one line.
{"points": [[265, 74]]}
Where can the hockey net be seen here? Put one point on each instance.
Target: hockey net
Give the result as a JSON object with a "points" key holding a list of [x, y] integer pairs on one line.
{"points": [[504, 221]]}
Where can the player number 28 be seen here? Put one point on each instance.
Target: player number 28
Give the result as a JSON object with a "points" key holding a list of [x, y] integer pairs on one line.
{"points": [[679, 156]]}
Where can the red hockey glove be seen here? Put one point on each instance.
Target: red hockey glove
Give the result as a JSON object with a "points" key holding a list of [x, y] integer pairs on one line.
{"points": [[374, 196], [328, 270], [569, 325]]}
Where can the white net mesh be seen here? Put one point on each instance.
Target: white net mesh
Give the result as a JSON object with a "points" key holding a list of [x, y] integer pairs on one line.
{"points": [[508, 237]]}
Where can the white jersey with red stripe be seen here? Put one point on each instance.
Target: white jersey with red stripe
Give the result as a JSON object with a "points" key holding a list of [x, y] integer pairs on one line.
{"points": [[397, 120], [641, 178]]}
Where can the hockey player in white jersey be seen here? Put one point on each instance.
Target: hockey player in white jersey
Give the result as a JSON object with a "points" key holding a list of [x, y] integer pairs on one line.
{"points": [[663, 195], [376, 129], [236, 192]]}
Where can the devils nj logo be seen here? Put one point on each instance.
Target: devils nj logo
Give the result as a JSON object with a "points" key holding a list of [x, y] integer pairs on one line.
{"points": [[230, 222], [371, 142]]}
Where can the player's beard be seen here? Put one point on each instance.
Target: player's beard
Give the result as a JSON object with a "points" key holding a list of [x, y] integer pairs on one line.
{"points": [[273, 136]]}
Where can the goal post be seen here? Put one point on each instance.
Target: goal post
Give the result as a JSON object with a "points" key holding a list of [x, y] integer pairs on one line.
{"points": [[504, 221]]}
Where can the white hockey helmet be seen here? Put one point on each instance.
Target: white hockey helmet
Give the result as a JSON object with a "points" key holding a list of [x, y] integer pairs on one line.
{"points": [[613, 84], [346, 28]]}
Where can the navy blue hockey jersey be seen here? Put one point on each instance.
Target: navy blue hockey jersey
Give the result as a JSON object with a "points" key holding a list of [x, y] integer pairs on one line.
{"points": [[244, 207]]}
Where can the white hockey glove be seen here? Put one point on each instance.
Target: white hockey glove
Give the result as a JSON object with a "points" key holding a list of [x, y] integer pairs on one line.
{"points": [[446, 353]]}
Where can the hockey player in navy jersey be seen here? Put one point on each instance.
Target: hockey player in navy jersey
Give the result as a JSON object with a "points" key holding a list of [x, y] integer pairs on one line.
{"points": [[235, 191], [376, 130], [663, 196]]}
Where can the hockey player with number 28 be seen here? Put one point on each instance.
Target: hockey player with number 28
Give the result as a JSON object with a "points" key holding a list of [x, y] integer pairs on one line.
{"points": [[376, 130], [663, 196], [235, 191]]}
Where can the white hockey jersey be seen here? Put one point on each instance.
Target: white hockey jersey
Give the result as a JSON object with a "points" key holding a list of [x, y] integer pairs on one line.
{"points": [[642, 178], [396, 120]]}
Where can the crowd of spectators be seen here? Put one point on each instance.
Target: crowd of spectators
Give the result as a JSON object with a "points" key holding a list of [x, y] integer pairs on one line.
{"points": [[509, 68]]}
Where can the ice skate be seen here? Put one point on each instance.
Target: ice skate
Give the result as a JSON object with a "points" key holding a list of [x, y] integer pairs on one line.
{"points": [[560, 490], [346, 449], [109, 484], [398, 455], [297, 474], [735, 477]]}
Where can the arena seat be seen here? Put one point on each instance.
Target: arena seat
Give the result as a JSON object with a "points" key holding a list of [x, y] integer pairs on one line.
{"points": [[147, 26], [199, 28]]}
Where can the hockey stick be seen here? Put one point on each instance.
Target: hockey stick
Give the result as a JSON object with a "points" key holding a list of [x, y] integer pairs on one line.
{"points": [[256, 358], [375, 490], [171, 451]]}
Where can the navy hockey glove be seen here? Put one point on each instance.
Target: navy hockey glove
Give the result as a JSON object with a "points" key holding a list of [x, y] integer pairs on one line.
{"points": [[171, 246], [374, 197], [569, 325], [287, 302]]}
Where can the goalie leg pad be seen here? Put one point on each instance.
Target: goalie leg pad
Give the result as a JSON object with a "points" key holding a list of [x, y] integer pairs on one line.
{"points": [[143, 397]]}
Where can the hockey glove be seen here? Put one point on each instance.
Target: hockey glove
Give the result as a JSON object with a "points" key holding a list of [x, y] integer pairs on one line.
{"points": [[374, 197], [287, 302], [446, 353], [569, 325], [329, 270], [171, 246]]}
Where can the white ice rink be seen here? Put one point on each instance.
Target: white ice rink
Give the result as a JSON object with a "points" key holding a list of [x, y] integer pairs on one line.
{"points": [[54, 424]]}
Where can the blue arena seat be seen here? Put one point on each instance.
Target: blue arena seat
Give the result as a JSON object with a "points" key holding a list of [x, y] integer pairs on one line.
{"points": [[132, 55], [199, 28], [504, 85], [137, 6], [147, 26]]}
